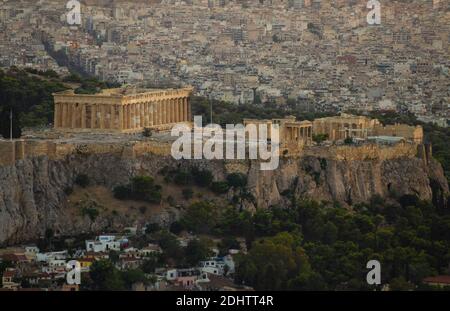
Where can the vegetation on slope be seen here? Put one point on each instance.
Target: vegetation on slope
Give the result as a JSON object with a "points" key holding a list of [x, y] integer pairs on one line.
{"points": [[28, 94], [310, 245]]}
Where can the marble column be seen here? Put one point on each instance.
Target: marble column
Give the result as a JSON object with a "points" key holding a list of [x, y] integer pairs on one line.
{"points": [[63, 115], [133, 116], [143, 114], [93, 116], [73, 115], [170, 112], [153, 112], [167, 111], [150, 113], [67, 116], [102, 116], [159, 112], [112, 118], [136, 115], [124, 119], [172, 108], [146, 121], [180, 109], [175, 110], [185, 109], [120, 123], [83, 116], [164, 111], [127, 117]]}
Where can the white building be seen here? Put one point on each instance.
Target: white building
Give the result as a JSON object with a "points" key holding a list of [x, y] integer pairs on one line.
{"points": [[103, 243], [47, 257], [218, 265]]}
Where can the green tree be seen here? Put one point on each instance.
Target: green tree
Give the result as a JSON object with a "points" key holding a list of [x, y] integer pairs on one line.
{"points": [[170, 246], [220, 187], [400, 284], [319, 138], [133, 276], [105, 276], [202, 177], [280, 259], [187, 193], [200, 217], [196, 251], [237, 180], [82, 180]]}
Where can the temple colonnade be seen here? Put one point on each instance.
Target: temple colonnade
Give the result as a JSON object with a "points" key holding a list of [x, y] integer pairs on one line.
{"points": [[123, 113]]}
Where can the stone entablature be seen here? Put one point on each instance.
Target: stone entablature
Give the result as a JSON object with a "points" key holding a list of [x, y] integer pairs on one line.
{"points": [[116, 110]]}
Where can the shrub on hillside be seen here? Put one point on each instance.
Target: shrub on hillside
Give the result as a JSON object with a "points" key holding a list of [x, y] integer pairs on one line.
{"points": [[82, 180], [220, 187], [141, 188]]}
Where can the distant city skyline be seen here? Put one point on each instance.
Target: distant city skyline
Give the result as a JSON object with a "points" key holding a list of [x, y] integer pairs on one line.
{"points": [[322, 55]]}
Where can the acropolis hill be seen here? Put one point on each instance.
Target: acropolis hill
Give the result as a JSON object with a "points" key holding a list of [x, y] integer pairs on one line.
{"points": [[101, 136]]}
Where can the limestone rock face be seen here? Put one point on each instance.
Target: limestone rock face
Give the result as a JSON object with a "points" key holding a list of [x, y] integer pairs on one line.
{"points": [[33, 191]]}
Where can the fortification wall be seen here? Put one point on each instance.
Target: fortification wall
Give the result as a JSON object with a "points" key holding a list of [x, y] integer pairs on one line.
{"points": [[10, 152], [7, 153], [364, 152], [414, 133]]}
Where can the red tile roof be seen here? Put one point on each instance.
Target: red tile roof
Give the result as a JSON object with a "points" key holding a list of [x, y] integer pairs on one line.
{"points": [[9, 273], [442, 279], [14, 257]]}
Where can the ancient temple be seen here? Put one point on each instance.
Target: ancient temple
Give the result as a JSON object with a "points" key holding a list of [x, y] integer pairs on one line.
{"points": [[294, 134], [126, 110]]}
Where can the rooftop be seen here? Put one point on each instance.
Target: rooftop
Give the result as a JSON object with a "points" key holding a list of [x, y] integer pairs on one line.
{"points": [[441, 279]]}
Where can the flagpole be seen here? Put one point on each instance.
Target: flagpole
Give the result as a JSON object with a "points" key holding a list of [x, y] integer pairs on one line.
{"points": [[10, 124]]}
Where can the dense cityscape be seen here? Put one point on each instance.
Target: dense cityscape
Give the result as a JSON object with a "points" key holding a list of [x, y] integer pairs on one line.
{"points": [[321, 54]]}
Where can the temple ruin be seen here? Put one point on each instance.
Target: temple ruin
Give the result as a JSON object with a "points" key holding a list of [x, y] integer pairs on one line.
{"points": [[294, 135], [351, 126], [123, 110]]}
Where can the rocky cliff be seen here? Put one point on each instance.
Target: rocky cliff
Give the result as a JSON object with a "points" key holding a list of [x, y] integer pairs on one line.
{"points": [[33, 195]]}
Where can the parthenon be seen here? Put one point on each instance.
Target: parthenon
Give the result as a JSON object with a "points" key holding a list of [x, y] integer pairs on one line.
{"points": [[125, 110]]}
